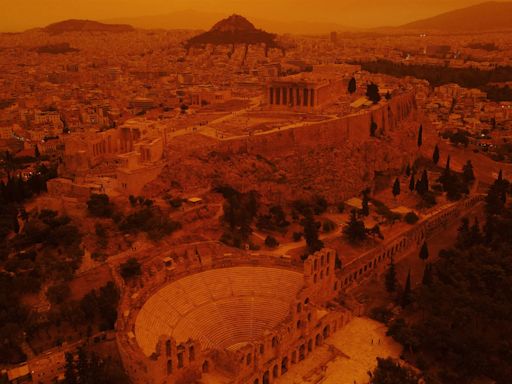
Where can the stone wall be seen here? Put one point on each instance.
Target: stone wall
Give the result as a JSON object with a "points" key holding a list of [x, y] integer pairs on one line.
{"points": [[354, 129], [376, 261]]}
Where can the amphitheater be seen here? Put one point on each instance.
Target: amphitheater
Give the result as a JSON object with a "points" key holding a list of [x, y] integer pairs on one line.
{"points": [[246, 318], [221, 308]]}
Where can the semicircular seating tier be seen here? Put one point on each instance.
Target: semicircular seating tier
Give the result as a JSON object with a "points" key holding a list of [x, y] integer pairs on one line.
{"points": [[222, 308]]}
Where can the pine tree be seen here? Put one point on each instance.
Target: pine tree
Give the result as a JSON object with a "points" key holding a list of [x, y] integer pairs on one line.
{"points": [[352, 86], [391, 277], [424, 251], [420, 136], [447, 167], [435, 155], [412, 183], [408, 170], [396, 188], [406, 295]]}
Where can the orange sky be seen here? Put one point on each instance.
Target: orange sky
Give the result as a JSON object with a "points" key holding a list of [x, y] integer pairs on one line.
{"points": [[21, 14]]}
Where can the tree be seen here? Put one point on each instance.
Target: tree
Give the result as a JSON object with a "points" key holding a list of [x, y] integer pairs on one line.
{"points": [[390, 372], [355, 230], [58, 293], [99, 205], [406, 294], [427, 274], [37, 154], [311, 228], [412, 183], [365, 209], [408, 170], [352, 86], [69, 373], [422, 186], [435, 155], [372, 93], [420, 136], [467, 172], [271, 242], [373, 128], [391, 277], [424, 251], [130, 268], [396, 188]]}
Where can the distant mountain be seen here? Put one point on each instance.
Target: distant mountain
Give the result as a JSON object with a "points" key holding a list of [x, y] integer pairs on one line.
{"points": [[487, 16], [199, 20], [85, 25], [234, 29]]}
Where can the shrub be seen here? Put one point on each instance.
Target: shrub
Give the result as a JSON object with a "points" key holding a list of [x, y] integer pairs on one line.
{"points": [[381, 314], [411, 218], [328, 226], [130, 269], [271, 242]]}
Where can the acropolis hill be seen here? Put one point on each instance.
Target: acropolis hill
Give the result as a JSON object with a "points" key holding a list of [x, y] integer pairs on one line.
{"points": [[233, 206]]}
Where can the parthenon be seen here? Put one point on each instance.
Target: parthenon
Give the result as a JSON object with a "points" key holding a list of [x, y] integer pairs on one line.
{"points": [[297, 93]]}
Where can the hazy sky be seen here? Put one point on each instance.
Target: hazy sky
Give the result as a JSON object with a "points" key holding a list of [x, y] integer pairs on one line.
{"points": [[22, 14]]}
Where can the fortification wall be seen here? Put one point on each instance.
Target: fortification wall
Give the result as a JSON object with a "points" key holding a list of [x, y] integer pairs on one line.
{"points": [[336, 132], [377, 260]]}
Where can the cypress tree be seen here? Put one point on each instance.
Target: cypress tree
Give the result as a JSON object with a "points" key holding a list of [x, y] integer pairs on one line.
{"points": [[406, 295], [424, 251], [391, 277], [420, 136], [427, 275], [352, 86], [408, 170], [435, 155], [412, 183], [396, 188]]}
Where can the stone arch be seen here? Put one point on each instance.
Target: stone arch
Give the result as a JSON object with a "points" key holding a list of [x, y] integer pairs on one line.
{"points": [[205, 367], [284, 365], [274, 342], [266, 377], [248, 359], [169, 367], [318, 340], [275, 371], [310, 345], [191, 353], [168, 347], [326, 331], [302, 352]]}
